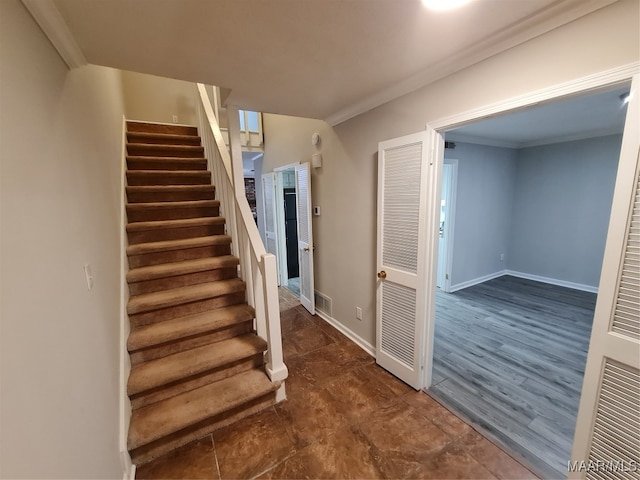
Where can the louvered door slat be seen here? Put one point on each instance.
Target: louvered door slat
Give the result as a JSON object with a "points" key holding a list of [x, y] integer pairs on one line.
{"points": [[626, 317]]}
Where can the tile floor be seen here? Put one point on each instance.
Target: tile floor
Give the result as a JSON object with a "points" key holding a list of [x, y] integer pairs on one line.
{"points": [[344, 417]]}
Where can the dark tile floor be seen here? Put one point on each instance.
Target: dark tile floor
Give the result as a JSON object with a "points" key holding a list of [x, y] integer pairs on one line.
{"points": [[344, 417]]}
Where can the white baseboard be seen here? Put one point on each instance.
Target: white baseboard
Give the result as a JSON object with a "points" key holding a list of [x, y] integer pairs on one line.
{"points": [[527, 276], [128, 468], [357, 339], [552, 281], [476, 281]]}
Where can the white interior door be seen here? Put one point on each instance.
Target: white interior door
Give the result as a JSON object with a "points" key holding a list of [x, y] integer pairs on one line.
{"points": [[305, 236], [608, 427], [269, 205], [401, 236]]}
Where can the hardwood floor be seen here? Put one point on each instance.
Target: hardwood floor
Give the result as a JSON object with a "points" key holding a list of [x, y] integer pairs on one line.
{"points": [[509, 356]]}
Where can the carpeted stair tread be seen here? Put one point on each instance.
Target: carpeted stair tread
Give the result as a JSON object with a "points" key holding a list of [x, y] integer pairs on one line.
{"points": [[185, 267], [178, 173], [169, 193], [176, 413], [168, 188], [179, 223], [175, 129], [154, 149], [170, 205], [165, 163], [177, 328], [147, 302], [163, 138], [170, 245], [169, 369]]}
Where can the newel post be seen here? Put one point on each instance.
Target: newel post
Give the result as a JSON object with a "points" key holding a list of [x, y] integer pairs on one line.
{"points": [[276, 369]]}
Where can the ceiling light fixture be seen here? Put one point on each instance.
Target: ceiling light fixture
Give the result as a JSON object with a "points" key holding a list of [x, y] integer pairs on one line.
{"points": [[441, 5]]}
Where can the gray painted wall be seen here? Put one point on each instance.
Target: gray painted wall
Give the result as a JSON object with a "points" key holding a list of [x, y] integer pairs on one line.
{"points": [[484, 200], [546, 208], [561, 209]]}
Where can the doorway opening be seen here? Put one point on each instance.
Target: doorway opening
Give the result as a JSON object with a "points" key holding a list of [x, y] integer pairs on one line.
{"points": [[288, 225], [286, 195], [512, 328]]}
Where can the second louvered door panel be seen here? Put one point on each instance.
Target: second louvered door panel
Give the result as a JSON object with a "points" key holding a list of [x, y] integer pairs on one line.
{"points": [[305, 236], [401, 312], [607, 438]]}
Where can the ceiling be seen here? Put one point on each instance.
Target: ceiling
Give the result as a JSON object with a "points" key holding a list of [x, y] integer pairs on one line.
{"points": [[326, 59], [584, 116]]}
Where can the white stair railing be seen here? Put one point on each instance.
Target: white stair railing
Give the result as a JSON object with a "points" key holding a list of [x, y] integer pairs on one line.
{"points": [[257, 267]]}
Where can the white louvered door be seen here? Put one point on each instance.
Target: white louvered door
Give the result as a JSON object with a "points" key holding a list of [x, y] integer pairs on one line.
{"points": [[401, 285], [269, 204], [607, 437], [305, 236]]}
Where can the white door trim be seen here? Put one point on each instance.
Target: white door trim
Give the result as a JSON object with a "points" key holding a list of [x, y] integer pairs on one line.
{"points": [[449, 225], [582, 85], [436, 129]]}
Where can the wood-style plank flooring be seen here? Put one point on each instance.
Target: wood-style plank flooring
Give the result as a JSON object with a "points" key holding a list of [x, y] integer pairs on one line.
{"points": [[509, 356]]}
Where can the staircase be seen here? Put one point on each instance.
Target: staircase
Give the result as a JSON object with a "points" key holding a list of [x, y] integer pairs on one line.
{"points": [[196, 362]]}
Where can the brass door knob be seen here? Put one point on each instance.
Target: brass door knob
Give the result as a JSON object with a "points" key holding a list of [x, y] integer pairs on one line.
{"points": [[382, 274]]}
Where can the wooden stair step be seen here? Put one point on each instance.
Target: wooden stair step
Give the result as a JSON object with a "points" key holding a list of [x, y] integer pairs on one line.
{"points": [[170, 245], [165, 163], [168, 230], [148, 302], [155, 251], [173, 269], [172, 205], [188, 326], [172, 368], [169, 193], [174, 129], [180, 223], [157, 211], [163, 418], [153, 149], [168, 177], [163, 138]]}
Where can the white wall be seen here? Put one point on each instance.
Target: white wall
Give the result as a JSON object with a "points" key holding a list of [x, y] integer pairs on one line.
{"points": [[562, 207], [345, 186], [484, 203], [60, 154], [158, 99]]}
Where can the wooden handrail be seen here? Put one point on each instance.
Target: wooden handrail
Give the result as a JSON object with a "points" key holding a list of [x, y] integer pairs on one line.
{"points": [[257, 267]]}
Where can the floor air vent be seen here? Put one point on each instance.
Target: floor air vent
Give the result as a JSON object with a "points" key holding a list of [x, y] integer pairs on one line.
{"points": [[323, 304]]}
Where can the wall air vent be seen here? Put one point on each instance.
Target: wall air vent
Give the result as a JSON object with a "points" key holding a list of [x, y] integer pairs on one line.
{"points": [[324, 304]]}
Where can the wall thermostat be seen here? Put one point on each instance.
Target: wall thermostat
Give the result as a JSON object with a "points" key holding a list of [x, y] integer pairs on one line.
{"points": [[315, 139]]}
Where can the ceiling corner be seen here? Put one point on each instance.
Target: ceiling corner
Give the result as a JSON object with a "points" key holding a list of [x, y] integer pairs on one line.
{"points": [[48, 17]]}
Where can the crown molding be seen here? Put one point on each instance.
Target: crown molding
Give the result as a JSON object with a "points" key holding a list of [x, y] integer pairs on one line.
{"points": [[543, 21], [48, 17], [614, 76]]}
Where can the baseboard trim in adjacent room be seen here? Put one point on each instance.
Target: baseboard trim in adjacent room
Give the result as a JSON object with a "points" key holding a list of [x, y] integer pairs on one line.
{"points": [[357, 339], [552, 281], [476, 281], [526, 276]]}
